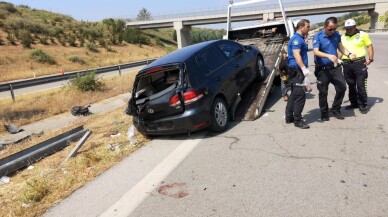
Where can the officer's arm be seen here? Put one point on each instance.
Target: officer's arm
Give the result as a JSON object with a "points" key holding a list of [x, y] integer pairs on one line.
{"points": [[345, 51], [370, 54], [371, 51], [321, 54], [298, 58]]}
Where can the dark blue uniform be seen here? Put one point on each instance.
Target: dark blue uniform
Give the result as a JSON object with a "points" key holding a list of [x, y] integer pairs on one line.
{"points": [[297, 99], [327, 73]]}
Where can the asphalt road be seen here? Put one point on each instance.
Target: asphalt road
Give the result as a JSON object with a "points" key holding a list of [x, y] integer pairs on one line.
{"points": [[258, 168], [43, 87]]}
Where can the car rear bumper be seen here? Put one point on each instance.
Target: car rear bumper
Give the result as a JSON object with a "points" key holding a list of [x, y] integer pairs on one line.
{"points": [[191, 120]]}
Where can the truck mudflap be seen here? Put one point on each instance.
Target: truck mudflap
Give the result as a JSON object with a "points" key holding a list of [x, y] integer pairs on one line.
{"points": [[254, 98]]}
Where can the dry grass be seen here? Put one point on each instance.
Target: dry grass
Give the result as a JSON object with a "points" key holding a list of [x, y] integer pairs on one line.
{"points": [[32, 192], [32, 107], [16, 63]]}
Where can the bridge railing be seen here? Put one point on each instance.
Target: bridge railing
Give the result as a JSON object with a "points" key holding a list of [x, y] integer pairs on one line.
{"points": [[222, 11], [377, 30]]}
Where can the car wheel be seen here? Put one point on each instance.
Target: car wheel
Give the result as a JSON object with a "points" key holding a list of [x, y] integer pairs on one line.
{"points": [[219, 115], [260, 68]]}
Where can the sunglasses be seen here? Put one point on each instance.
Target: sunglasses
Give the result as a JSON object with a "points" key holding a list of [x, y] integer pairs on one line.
{"points": [[330, 30]]}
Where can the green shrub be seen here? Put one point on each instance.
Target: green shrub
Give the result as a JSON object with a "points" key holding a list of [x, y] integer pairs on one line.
{"points": [[24, 6], [40, 56], [72, 41], [43, 40], [8, 7], [76, 59], [26, 38], [135, 36], [11, 39], [101, 42], [17, 23], [92, 47], [159, 42], [52, 40], [3, 14], [110, 49], [87, 82], [81, 41]]}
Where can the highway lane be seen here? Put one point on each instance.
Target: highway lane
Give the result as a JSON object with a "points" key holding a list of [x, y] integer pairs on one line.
{"points": [[259, 168], [43, 87]]}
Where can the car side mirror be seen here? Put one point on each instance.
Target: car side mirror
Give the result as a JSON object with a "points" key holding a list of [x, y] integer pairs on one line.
{"points": [[247, 48], [238, 52]]}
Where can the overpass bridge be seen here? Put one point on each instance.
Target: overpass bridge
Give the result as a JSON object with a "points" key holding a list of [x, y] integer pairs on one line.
{"points": [[182, 24]]}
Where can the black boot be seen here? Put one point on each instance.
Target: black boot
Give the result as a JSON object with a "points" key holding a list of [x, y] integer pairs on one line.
{"points": [[337, 114], [301, 125], [363, 109]]}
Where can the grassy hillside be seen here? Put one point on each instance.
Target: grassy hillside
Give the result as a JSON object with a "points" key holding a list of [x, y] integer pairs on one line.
{"points": [[37, 42], [70, 44]]}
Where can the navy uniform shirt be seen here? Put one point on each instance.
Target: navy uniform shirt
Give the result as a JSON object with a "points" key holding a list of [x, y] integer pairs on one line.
{"points": [[326, 44], [297, 43]]}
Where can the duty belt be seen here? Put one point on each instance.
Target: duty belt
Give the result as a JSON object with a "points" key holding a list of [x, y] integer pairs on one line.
{"points": [[347, 61], [329, 67]]}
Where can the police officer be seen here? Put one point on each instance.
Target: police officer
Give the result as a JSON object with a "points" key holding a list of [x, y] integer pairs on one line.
{"points": [[298, 62], [327, 70], [355, 70]]}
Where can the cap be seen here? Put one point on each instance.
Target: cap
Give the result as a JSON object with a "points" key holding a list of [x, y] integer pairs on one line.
{"points": [[350, 23]]}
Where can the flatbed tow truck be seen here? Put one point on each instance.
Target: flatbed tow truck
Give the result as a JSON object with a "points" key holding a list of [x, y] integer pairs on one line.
{"points": [[269, 38]]}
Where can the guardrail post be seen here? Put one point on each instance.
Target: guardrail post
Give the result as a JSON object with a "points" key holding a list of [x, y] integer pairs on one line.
{"points": [[12, 93], [119, 70]]}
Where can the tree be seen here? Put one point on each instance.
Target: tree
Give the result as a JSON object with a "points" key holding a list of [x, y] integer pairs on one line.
{"points": [[144, 14]]}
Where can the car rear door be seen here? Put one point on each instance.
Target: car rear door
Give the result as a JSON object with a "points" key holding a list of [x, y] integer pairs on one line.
{"points": [[218, 70], [154, 90], [242, 64]]}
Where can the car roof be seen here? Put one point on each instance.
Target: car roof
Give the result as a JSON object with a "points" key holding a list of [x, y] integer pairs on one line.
{"points": [[181, 55]]}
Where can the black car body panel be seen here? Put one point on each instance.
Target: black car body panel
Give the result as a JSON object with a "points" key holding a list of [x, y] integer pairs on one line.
{"points": [[175, 93]]}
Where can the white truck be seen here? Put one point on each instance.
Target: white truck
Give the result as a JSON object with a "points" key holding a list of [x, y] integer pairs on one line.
{"points": [[268, 37]]}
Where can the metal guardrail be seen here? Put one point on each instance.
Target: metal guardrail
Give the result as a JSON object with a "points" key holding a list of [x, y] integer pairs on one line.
{"points": [[377, 30], [9, 86], [21, 159]]}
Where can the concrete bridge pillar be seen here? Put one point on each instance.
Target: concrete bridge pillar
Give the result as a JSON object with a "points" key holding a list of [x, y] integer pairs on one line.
{"points": [[378, 15], [182, 33], [268, 16]]}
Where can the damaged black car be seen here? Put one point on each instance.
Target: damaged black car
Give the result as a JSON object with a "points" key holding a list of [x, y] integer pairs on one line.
{"points": [[193, 88]]}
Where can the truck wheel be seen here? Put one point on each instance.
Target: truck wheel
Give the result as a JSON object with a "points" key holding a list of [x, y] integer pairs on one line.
{"points": [[219, 115], [260, 68]]}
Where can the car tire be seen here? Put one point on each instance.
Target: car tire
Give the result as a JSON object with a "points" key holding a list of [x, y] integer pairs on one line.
{"points": [[260, 67], [219, 115]]}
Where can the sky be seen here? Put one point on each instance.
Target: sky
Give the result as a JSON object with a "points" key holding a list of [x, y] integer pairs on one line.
{"points": [[97, 10]]}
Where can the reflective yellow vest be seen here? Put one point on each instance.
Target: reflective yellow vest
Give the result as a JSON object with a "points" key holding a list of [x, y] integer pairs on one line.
{"points": [[356, 43]]}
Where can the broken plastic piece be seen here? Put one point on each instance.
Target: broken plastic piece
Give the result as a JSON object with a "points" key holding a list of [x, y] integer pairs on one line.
{"points": [[4, 180], [131, 133], [12, 128]]}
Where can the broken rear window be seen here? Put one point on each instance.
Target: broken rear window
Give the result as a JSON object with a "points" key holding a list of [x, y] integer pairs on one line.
{"points": [[156, 82]]}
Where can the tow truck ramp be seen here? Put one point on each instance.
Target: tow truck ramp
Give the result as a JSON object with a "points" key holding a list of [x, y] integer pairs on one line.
{"points": [[254, 98]]}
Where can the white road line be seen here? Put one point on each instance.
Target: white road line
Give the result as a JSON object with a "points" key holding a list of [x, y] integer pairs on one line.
{"points": [[132, 198]]}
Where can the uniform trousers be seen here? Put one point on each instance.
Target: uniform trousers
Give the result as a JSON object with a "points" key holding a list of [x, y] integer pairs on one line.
{"points": [[325, 76], [356, 75], [297, 99]]}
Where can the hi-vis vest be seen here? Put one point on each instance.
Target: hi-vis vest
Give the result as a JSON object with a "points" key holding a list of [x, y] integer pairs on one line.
{"points": [[356, 43]]}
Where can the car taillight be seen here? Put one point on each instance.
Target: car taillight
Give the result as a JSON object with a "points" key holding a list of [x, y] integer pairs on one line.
{"points": [[192, 96], [188, 97], [174, 101]]}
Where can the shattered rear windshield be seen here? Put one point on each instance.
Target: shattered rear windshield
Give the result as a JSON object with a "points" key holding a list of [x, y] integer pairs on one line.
{"points": [[156, 82]]}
